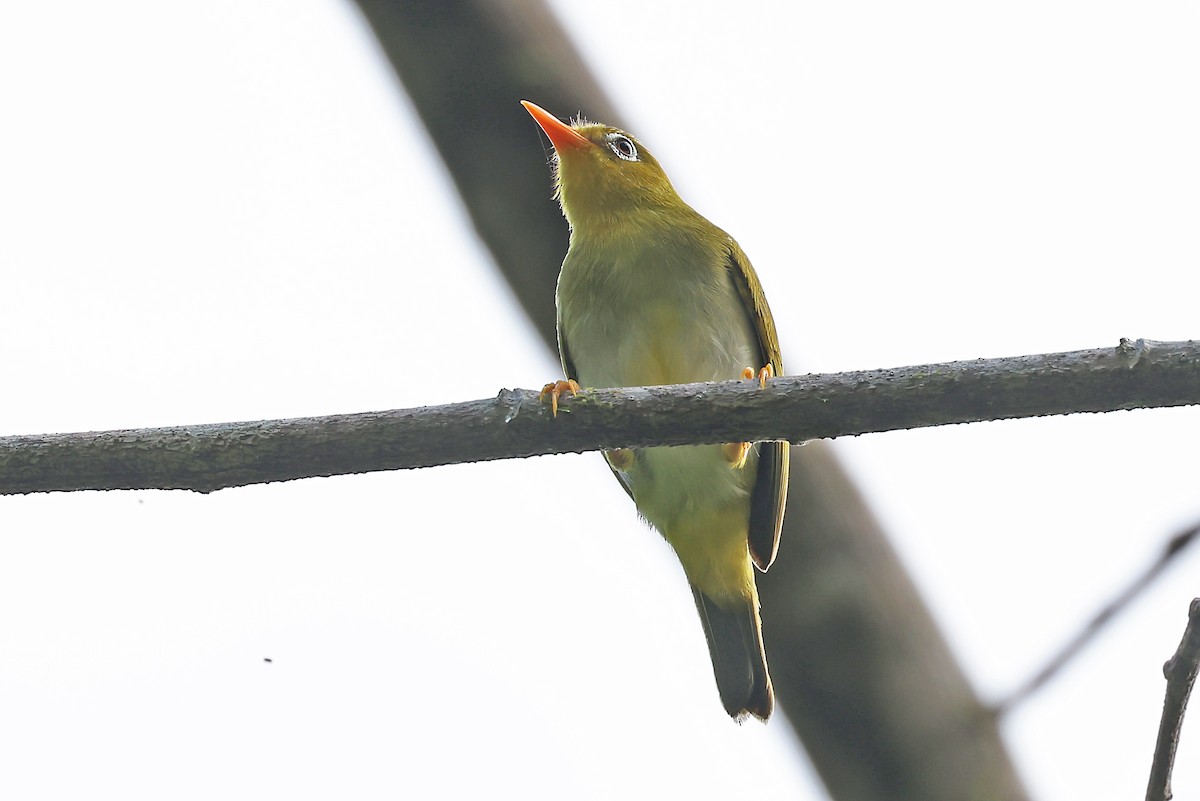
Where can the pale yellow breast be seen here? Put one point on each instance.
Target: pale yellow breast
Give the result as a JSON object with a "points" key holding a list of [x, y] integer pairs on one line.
{"points": [[651, 314]]}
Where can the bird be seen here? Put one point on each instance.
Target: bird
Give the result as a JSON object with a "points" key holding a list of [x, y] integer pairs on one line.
{"points": [[651, 293]]}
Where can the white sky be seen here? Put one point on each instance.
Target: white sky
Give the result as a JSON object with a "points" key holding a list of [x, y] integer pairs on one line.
{"points": [[226, 211]]}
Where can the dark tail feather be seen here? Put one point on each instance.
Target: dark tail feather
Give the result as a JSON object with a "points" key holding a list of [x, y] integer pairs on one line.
{"points": [[739, 662]]}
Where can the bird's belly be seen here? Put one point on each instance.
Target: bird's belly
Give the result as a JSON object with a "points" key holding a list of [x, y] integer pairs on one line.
{"points": [[701, 504], [692, 494], [675, 484], [639, 323]]}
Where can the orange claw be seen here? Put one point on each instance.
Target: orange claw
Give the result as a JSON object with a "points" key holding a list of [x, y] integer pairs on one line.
{"points": [[555, 389], [766, 372]]}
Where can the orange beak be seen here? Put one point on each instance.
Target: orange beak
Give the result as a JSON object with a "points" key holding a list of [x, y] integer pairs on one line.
{"points": [[562, 136]]}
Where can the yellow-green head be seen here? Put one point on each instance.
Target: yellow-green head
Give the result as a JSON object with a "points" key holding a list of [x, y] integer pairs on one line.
{"points": [[602, 173]]}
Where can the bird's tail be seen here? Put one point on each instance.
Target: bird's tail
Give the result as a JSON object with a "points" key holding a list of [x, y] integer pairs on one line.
{"points": [[735, 643]]}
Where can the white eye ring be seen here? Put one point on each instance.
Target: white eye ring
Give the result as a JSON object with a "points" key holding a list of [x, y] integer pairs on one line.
{"points": [[622, 146]]}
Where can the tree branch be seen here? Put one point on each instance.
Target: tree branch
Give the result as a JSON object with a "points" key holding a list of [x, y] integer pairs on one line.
{"points": [[1180, 672], [516, 423]]}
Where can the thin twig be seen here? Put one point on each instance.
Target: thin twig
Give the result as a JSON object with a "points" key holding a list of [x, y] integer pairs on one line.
{"points": [[1076, 644], [1180, 672], [516, 424]]}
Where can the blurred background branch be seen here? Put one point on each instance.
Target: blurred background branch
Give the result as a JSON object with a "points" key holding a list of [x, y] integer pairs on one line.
{"points": [[1071, 649]]}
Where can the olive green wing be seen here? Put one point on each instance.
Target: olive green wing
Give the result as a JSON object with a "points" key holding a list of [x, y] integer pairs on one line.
{"points": [[769, 496]]}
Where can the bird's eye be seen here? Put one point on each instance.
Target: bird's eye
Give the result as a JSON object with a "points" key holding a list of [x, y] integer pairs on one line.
{"points": [[623, 146]]}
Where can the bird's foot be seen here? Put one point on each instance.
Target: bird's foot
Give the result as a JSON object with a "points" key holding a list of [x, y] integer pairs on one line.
{"points": [[765, 372], [736, 452], [556, 389]]}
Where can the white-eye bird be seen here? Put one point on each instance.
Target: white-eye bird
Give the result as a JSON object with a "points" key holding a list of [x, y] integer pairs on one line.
{"points": [[652, 293]]}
